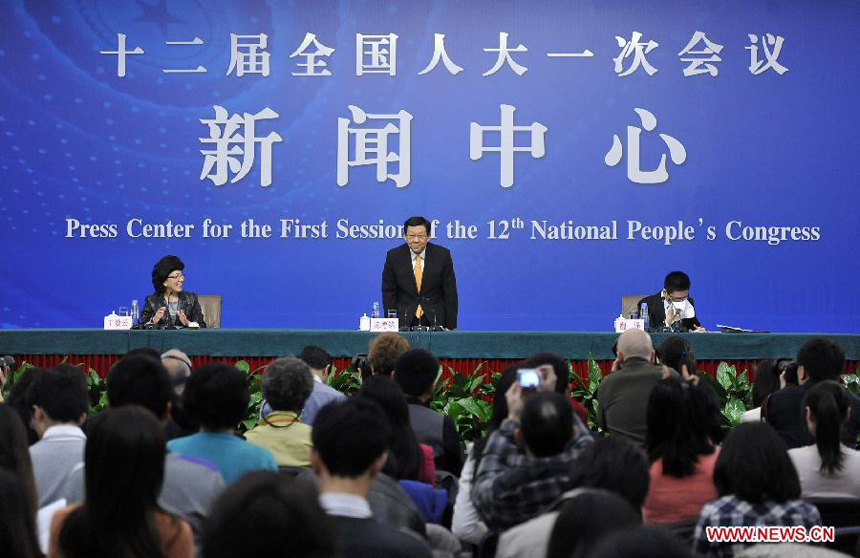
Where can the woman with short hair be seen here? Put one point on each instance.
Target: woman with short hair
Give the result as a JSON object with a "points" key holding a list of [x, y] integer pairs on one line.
{"points": [[170, 305]]}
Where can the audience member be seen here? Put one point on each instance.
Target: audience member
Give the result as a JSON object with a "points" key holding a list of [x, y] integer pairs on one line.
{"points": [[757, 484], [510, 487], [623, 395], [585, 519], [416, 372], [350, 441], [120, 516], [320, 363], [15, 453], [768, 379], [179, 367], [59, 399], [17, 519], [384, 352], [817, 360], [677, 353], [827, 469], [19, 400], [611, 464], [286, 385], [190, 485], [265, 514], [407, 459], [217, 397], [682, 456], [147, 352], [641, 542], [562, 378]]}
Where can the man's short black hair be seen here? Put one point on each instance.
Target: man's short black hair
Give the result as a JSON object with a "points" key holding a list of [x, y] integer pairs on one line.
{"points": [[417, 221], [350, 435], [546, 423], [147, 352], [676, 281], [616, 465], [315, 357], [559, 366], [61, 392], [822, 359], [216, 395], [416, 371], [142, 381]]}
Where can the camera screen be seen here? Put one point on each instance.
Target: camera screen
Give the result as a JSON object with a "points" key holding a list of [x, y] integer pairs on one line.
{"points": [[529, 378]]}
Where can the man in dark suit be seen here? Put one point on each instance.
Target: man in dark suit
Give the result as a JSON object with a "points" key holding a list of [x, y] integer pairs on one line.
{"points": [[418, 279], [350, 440], [672, 308]]}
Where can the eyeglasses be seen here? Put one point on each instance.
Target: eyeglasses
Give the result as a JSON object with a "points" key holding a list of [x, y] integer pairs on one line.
{"points": [[416, 236], [177, 276]]}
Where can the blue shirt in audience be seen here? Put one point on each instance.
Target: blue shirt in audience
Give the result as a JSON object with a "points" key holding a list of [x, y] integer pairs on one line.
{"points": [[232, 455]]}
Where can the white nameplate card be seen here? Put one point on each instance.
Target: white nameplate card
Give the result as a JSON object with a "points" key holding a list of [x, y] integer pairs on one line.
{"points": [[115, 321], [384, 324], [623, 324]]}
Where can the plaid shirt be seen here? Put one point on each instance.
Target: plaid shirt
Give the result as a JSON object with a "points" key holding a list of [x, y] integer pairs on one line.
{"points": [[730, 511], [511, 487]]}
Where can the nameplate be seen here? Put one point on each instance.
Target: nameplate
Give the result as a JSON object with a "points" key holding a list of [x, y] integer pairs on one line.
{"points": [[623, 324], [115, 321], [384, 324]]}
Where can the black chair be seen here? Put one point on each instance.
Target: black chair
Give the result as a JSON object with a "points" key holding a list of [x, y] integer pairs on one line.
{"points": [[844, 514]]}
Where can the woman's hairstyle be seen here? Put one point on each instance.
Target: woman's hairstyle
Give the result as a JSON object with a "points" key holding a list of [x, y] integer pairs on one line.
{"points": [[675, 352], [287, 384], [266, 514], [404, 454], [216, 396], [828, 404], [19, 399], [384, 352], [587, 518], [675, 430], [15, 452], [767, 379], [123, 475], [500, 408], [164, 267], [17, 518], [616, 465], [754, 466]]}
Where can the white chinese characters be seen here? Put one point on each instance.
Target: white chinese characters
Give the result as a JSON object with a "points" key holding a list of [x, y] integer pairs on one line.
{"points": [[636, 175]]}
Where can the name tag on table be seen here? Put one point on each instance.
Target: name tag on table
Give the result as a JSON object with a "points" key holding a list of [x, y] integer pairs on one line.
{"points": [[384, 324], [114, 321], [623, 324]]}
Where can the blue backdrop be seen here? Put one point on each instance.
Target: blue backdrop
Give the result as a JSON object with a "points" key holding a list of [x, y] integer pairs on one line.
{"points": [[82, 145]]}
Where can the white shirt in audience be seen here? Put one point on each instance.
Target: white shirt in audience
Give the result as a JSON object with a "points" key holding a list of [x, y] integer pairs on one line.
{"points": [[815, 484], [465, 524]]}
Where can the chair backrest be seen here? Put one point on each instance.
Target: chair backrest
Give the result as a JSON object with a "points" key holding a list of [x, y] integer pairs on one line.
{"points": [[211, 305], [629, 304]]}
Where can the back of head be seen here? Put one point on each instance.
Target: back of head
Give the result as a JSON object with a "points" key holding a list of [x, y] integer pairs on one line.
{"points": [[766, 381], [17, 519], [416, 371], [287, 384], [754, 466], [315, 357], [821, 359], [216, 396], [15, 452], [546, 423], [249, 519], [500, 408], [139, 380], [178, 365], [641, 542], [147, 352], [388, 395], [559, 366], [405, 456], [19, 399], [585, 519], [349, 436], [676, 281], [635, 343], [827, 402], [61, 392], [124, 471], [384, 352], [616, 465], [675, 352]]}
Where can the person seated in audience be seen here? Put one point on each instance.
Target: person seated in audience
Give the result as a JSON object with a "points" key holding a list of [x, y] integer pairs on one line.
{"points": [[265, 514], [18, 499], [609, 464], [407, 459], [584, 519], [623, 395], [190, 485], [641, 542], [216, 396], [817, 360], [320, 364], [827, 469], [384, 352], [350, 448], [120, 515], [415, 372], [59, 399], [757, 485], [19, 400], [179, 367], [562, 378], [510, 487], [769, 377], [682, 454], [286, 385]]}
